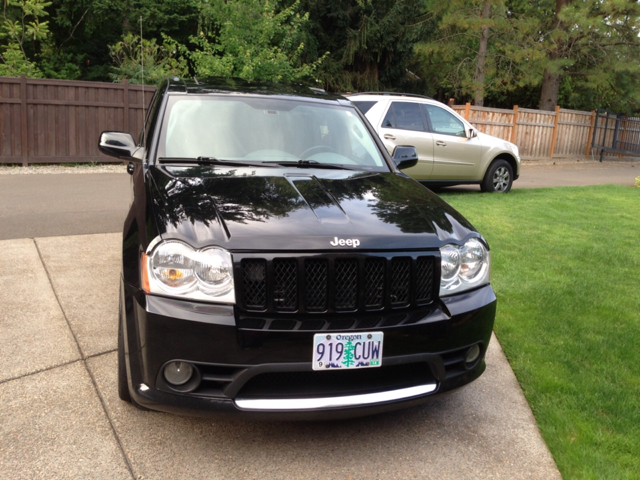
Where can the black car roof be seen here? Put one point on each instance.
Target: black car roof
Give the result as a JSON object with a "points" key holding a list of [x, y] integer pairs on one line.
{"points": [[219, 85]]}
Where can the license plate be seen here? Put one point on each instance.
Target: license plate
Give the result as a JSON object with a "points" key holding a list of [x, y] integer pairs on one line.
{"points": [[344, 351]]}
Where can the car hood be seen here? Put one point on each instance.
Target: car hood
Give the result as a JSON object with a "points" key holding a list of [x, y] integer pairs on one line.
{"points": [[279, 209]]}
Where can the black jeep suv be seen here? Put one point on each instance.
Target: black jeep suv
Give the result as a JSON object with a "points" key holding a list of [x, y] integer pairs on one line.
{"points": [[276, 263]]}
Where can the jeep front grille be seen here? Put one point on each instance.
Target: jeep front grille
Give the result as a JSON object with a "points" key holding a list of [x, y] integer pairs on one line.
{"points": [[311, 284]]}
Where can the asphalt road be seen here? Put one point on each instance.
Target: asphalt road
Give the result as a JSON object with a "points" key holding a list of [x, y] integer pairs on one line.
{"points": [[571, 175], [45, 205]]}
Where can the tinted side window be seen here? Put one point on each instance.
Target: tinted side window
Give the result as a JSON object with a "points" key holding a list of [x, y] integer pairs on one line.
{"points": [[443, 122], [389, 119], [364, 107], [404, 115]]}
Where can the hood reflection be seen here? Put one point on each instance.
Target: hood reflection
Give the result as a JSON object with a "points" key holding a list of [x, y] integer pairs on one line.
{"points": [[243, 201]]}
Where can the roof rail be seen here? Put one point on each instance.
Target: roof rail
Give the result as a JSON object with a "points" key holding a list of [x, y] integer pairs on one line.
{"points": [[399, 94]]}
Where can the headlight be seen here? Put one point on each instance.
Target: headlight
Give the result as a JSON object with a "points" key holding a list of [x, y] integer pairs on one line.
{"points": [[176, 269], [463, 267]]}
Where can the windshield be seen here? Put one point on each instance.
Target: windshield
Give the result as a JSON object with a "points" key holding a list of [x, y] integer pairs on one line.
{"points": [[243, 128]]}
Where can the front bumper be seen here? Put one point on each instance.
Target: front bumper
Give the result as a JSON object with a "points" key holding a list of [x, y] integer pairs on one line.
{"points": [[268, 374]]}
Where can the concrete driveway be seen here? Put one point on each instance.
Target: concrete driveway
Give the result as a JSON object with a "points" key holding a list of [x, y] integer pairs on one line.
{"points": [[60, 416]]}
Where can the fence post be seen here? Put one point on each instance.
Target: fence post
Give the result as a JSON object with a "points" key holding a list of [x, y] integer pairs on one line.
{"points": [[590, 138], [515, 124], [125, 120], [555, 132], [467, 111], [24, 136]]}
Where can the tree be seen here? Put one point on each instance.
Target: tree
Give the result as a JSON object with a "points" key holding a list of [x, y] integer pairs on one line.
{"points": [[591, 39], [251, 40], [466, 54], [83, 30], [21, 33], [536, 53], [148, 63], [370, 41], [348, 357]]}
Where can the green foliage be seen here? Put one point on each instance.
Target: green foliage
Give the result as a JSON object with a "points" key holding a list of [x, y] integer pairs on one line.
{"points": [[370, 42], [251, 40], [22, 31], [83, 30], [157, 62], [595, 44], [14, 63], [450, 57], [568, 316], [590, 47]]}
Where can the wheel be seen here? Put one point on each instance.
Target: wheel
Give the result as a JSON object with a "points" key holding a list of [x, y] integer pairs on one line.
{"points": [[123, 383], [499, 177], [309, 152]]}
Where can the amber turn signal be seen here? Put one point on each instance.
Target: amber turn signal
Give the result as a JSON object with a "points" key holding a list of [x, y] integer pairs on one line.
{"points": [[144, 273]]}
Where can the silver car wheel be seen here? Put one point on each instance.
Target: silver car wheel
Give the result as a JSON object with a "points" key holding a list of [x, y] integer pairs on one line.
{"points": [[501, 179]]}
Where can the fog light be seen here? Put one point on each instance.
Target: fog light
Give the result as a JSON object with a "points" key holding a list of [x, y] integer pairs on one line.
{"points": [[178, 373], [473, 354]]}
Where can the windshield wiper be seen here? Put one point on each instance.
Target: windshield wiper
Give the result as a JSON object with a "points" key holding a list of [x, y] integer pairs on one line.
{"points": [[315, 164], [212, 161]]}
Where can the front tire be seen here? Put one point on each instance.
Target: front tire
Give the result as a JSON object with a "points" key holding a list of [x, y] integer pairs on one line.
{"points": [[499, 177]]}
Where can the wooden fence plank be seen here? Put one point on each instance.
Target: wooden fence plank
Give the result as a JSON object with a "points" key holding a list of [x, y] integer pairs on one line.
{"points": [[125, 113], [555, 132], [24, 149], [514, 129]]}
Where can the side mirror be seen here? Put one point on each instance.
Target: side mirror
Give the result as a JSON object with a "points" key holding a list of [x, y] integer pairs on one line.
{"points": [[471, 133], [117, 144], [405, 157]]}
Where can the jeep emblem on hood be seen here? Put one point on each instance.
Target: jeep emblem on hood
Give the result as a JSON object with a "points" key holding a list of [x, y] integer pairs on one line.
{"points": [[350, 242]]}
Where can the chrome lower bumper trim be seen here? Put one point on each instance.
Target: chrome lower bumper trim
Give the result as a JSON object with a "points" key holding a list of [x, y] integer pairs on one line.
{"points": [[332, 402]]}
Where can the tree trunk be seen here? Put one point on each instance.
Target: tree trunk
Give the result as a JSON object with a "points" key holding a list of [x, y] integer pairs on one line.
{"points": [[550, 90], [482, 57], [551, 79]]}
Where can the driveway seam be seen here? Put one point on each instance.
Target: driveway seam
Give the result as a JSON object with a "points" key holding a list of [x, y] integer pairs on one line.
{"points": [[86, 367], [94, 355], [35, 372]]}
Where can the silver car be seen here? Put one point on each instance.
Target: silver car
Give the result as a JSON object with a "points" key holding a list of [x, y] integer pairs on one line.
{"points": [[450, 150]]}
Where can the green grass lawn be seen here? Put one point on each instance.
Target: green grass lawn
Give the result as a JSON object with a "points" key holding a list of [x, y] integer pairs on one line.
{"points": [[566, 270]]}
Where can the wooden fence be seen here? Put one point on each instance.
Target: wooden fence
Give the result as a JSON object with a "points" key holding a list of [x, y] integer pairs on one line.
{"points": [[540, 134], [59, 121]]}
